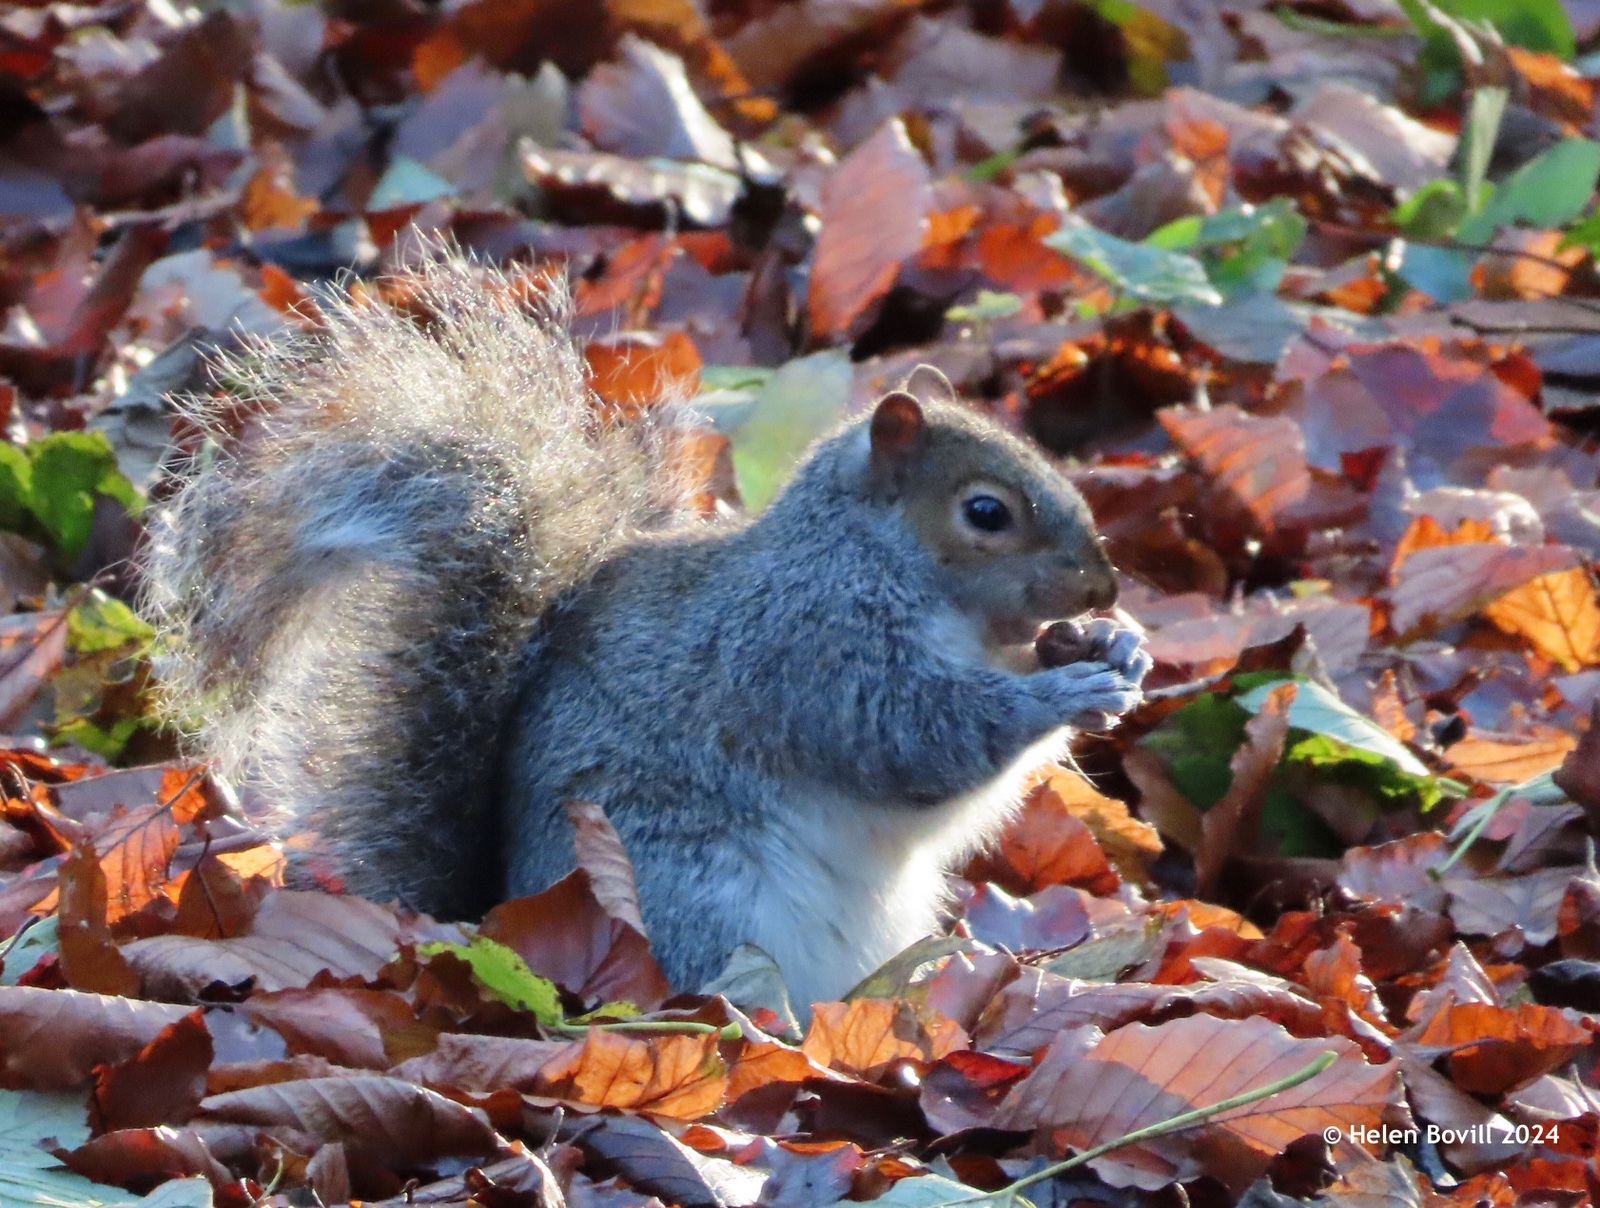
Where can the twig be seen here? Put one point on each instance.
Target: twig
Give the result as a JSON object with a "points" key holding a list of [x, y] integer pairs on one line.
{"points": [[1149, 1132], [669, 1027]]}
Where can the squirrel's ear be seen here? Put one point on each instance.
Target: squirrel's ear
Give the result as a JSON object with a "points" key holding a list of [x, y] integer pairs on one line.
{"points": [[896, 425]]}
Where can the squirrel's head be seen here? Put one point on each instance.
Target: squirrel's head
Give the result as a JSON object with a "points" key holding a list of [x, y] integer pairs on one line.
{"points": [[1015, 541]]}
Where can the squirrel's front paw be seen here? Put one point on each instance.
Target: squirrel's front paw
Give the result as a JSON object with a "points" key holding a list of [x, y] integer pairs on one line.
{"points": [[1120, 649], [1092, 693]]}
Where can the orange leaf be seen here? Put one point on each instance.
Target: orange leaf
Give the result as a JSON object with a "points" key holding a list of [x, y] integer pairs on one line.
{"points": [[1493, 1048], [1425, 533], [1511, 760], [1559, 614], [1260, 460], [90, 959], [1129, 844], [638, 370], [863, 1036], [1141, 1075], [678, 1076], [767, 1062]]}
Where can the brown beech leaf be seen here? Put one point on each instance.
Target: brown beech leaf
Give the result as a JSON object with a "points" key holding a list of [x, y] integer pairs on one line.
{"points": [[1141, 1075], [139, 1157], [1493, 1048], [766, 1062], [602, 856], [633, 371], [862, 1036], [1579, 774], [1046, 843], [1027, 1014], [138, 847], [964, 1088], [1440, 1101], [1398, 872], [1259, 460], [653, 1163], [1232, 826], [1511, 759], [466, 1062], [221, 894], [53, 1039], [1335, 972], [162, 1083], [1442, 400], [379, 1120], [293, 937], [90, 959], [1491, 905], [565, 934], [1129, 844], [32, 647], [678, 1076], [769, 48], [1439, 585], [1425, 532], [365, 1029], [874, 211]]}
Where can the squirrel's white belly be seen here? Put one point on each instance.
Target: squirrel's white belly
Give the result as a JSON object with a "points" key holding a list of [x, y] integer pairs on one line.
{"points": [[856, 882]]}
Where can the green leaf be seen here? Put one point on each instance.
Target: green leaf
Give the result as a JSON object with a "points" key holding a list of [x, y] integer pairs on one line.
{"points": [[1483, 129], [16, 486], [1136, 270], [988, 307], [1316, 709], [803, 400], [1531, 24], [732, 377], [1196, 743], [68, 470], [31, 1177], [1548, 191], [407, 183], [108, 742], [1178, 234], [38, 941], [103, 622], [1443, 273], [1585, 233], [1247, 248], [1433, 211], [506, 975]]}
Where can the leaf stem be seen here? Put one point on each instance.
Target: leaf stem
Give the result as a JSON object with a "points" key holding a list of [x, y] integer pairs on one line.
{"points": [[1490, 808], [670, 1027], [1160, 1129]]}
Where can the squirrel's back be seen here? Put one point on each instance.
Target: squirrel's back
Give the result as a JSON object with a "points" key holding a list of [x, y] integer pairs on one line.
{"points": [[345, 585]]}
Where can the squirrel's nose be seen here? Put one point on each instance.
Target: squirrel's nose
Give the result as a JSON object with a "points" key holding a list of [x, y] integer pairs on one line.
{"points": [[1102, 592]]}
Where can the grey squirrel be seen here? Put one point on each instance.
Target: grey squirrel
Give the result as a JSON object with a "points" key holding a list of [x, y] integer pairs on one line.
{"points": [[432, 593]]}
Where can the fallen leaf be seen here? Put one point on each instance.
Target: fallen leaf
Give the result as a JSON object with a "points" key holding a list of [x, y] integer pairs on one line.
{"points": [[874, 211], [863, 1036], [1141, 1075]]}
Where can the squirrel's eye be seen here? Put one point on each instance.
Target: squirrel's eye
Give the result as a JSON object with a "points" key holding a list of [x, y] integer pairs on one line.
{"points": [[986, 514]]}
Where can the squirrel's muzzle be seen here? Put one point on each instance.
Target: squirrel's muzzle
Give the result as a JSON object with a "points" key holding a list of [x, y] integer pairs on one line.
{"points": [[1076, 588]]}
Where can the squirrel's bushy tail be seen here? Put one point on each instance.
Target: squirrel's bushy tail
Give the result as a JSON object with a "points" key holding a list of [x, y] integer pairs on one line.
{"points": [[343, 591]]}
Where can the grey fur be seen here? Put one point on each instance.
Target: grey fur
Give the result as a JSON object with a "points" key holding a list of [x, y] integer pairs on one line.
{"points": [[432, 600], [342, 599]]}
